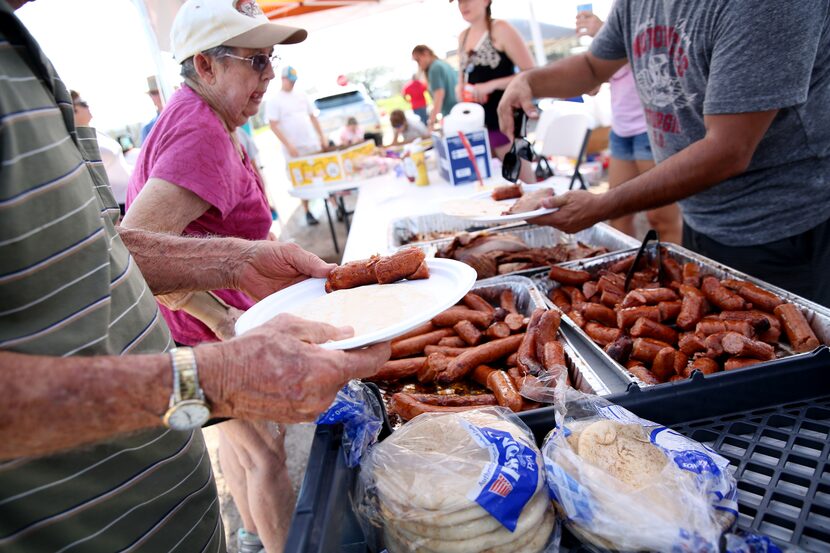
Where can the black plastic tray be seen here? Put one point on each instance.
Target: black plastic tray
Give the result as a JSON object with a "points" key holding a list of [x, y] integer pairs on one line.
{"points": [[772, 423]]}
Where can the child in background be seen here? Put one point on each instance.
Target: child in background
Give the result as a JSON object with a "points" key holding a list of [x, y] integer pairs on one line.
{"points": [[352, 133]]}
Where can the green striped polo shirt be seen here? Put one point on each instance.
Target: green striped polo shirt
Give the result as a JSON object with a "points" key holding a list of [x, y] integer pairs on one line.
{"points": [[68, 286]]}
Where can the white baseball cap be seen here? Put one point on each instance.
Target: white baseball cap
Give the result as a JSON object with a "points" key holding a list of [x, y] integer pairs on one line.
{"points": [[204, 24]]}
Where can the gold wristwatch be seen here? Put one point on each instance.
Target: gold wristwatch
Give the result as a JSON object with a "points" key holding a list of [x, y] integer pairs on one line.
{"points": [[188, 408]]}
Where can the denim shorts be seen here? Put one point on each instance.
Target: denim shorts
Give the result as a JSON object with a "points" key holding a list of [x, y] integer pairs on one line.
{"points": [[630, 148]]}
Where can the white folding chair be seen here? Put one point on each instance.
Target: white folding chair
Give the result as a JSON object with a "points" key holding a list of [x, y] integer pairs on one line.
{"points": [[565, 134]]}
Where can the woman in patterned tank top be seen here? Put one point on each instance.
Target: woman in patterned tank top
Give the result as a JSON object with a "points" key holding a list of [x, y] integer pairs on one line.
{"points": [[491, 51]]}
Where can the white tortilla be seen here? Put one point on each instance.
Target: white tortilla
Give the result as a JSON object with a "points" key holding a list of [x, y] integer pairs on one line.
{"points": [[428, 466], [365, 308]]}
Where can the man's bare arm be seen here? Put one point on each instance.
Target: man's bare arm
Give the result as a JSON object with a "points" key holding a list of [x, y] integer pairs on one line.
{"points": [[725, 151], [51, 403], [273, 372], [565, 78], [179, 264]]}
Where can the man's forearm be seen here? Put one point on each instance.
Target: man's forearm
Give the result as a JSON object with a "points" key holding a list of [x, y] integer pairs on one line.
{"points": [[179, 264], [571, 76], [52, 403], [275, 128]]}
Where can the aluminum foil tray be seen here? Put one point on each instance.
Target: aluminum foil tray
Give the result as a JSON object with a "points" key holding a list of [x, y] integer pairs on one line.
{"points": [[817, 315], [538, 236], [527, 299], [428, 228]]}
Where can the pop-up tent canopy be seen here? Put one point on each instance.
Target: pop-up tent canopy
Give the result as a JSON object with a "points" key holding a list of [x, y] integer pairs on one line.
{"points": [[158, 17]]}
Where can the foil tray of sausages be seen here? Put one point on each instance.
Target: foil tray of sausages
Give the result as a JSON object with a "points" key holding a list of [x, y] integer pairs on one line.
{"points": [[692, 322], [519, 248], [467, 391]]}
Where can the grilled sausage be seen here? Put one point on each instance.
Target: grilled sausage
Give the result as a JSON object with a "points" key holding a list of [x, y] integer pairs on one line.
{"points": [[416, 344], [477, 303], [454, 315], [480, 355], [568, 276], [801, 336], [399, 265], [757, 296], [720, 296], [741, 346], [627, 317], [602, 335], [647, 328]]}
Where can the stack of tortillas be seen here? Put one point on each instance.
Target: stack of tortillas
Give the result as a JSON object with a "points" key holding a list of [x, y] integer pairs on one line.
{"points": [[640, 500], [423, 476]]}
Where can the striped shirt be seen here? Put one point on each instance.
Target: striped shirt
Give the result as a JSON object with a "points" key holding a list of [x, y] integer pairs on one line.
{"points": [[68, 286]]}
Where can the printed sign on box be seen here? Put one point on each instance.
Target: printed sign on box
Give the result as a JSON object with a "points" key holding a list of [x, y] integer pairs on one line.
{"points": [[328, 167], [454, 163]]}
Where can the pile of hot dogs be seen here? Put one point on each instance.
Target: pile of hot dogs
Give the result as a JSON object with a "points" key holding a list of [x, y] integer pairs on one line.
{"points": [[496, 350], [663, 331]]}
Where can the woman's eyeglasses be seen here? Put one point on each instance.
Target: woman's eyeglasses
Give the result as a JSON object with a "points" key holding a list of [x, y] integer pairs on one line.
{"points": [[258, 61], [522, 149]]}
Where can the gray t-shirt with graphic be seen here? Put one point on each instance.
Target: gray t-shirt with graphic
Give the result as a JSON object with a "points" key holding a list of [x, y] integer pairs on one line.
{"points": [[692, 59]]}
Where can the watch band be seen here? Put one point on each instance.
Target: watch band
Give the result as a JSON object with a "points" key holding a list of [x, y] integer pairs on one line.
{"points": [[185, 375]]}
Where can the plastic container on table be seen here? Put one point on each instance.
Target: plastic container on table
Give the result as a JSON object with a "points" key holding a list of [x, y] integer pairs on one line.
{"points": [[772, 423]]}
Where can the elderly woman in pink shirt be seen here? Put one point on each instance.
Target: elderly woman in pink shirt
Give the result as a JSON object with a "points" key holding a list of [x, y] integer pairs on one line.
{"points": [[630, 147], [193, 178]]}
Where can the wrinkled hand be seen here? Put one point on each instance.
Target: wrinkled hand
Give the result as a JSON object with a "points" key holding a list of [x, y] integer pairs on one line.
{"points": [[518, 95], [578, 210], [270, 266], [276, 372], [587, 24]]}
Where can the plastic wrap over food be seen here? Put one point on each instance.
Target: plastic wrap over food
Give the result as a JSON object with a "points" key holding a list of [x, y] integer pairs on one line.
{"points": [[625, 483], [457, 483], [359, 410]]}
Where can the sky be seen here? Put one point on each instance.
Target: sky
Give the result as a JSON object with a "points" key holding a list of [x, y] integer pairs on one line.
{"points": [[101, 47]]}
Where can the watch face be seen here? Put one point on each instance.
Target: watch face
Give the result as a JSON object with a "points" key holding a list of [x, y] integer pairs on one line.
{"points": [[188, 415]]}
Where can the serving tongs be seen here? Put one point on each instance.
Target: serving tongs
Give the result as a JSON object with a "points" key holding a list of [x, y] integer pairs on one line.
{"points": [[650, 235]]}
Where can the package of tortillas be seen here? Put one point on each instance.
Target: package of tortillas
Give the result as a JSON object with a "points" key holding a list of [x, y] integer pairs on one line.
{"points": [[624, 483], [468, 482]]}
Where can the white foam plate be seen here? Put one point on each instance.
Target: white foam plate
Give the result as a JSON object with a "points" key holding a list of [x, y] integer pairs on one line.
{"points": [[482, 208], [399, 307]]}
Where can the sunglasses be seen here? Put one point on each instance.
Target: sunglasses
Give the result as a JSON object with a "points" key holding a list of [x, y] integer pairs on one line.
{"points": [[521, 149], [258, 61]]}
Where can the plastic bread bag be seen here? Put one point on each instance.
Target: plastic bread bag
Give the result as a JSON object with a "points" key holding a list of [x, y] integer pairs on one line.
{"points": [[622, 482], [458, 482], [745, 542], [359, 410]]}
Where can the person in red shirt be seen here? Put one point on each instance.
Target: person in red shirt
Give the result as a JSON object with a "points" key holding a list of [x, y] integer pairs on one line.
{"points": [[413, 91]]}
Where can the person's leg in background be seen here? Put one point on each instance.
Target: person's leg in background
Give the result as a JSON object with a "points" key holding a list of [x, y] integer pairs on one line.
{"points": [[422, 114], [309, 218], [260, 449], [797, 263], [622, 168], [666, 220], [235, 479]]}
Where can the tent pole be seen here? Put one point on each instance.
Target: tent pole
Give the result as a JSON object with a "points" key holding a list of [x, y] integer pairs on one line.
{"points": [[152, 41], [536, 36]]}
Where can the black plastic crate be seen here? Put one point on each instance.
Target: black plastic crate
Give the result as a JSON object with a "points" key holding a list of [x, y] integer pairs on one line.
{"points": [[771, 422]]}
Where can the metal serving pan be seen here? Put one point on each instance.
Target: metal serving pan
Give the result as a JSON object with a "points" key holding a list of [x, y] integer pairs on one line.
{"points": [[817, 316], [527, 299], [534, 236], [431, 227]]}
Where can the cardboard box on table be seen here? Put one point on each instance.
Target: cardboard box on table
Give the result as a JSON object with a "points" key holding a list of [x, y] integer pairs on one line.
{"points": [[454, 163], [328, 167]]}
